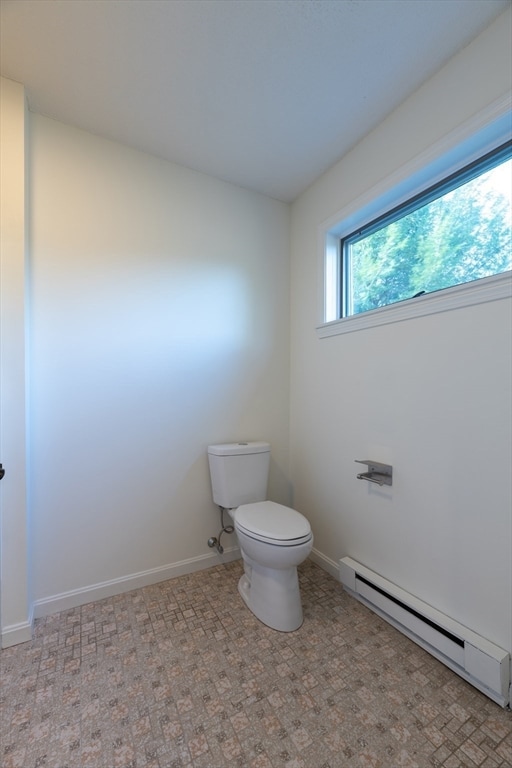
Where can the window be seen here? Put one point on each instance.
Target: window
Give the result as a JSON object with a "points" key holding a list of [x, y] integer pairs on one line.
{"points": [[451, 273], [455, 232]]}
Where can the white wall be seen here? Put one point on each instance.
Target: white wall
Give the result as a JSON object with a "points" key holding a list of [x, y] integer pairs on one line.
{"points": [[159, 324], [15, 595], [431, 395]]}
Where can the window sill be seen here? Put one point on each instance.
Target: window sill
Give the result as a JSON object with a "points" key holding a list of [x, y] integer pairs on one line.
{"points": [[477, 292]]}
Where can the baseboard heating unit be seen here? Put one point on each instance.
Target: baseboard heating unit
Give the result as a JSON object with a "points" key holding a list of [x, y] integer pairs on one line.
{"points": [[480, 662]]}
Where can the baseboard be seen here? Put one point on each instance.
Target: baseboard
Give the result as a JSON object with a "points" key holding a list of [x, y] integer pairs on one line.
{"points": [[17, 633], [326, 563], [20, 633], [77, 597]]}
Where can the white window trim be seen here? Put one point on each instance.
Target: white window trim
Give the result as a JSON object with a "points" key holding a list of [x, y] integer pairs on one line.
{"points": [[465, 295], [480, 135]]}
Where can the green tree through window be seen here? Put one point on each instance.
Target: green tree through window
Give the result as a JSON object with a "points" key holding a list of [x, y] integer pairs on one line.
{"points": [[463, 235]]}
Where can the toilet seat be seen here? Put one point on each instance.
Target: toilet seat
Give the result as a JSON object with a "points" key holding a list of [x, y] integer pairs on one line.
{"points": [[273, 523]]}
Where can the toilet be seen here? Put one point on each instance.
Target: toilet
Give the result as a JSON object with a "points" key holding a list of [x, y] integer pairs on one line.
{"points": [[273, 539]]}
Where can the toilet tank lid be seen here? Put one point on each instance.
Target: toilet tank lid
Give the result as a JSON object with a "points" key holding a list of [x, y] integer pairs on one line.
{"points": [[234, 449]]}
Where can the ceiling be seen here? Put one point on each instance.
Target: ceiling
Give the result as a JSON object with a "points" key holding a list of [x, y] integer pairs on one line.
{"points": [[266, 94]]}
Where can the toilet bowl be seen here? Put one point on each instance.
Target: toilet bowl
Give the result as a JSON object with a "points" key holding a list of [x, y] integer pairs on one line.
{"points": [[273, 541]]}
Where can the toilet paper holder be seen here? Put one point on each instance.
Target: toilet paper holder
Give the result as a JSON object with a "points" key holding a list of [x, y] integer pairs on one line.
{"points": [[382, 474]]}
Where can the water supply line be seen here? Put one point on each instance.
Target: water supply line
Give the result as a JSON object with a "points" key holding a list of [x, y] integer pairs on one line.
{"points": [[214, 541]]}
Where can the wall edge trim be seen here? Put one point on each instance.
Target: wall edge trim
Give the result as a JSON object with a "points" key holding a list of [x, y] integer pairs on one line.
{"points": [[14, 634], [325, 563], [76, 597]]}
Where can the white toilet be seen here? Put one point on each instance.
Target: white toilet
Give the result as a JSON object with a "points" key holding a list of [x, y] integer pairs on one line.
{"points": [[273, 539]]}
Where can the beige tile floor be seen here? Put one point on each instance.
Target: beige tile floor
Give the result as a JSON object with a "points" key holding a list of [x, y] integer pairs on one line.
{"points": [[181, 675]]}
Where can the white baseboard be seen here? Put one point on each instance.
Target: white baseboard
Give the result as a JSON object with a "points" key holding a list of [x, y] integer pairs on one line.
{"points": [[22, 632], [17, 633], [326, 563], [76, 597]]}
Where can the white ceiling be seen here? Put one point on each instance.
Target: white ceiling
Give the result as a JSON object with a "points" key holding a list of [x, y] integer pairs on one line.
{"points": [[266, 94]]}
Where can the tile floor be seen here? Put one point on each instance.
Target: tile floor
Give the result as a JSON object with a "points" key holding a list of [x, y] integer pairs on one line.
{"points": [[181, 675]]}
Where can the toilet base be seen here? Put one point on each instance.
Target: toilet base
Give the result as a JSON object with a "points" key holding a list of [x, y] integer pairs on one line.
{"points": [[272, 595]]}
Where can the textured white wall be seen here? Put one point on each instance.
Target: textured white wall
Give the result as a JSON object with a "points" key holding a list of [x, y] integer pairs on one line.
{"points": [[159, 323], [432, 395]]}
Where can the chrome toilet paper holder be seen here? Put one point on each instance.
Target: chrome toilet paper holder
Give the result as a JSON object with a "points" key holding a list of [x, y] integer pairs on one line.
{"points": [[382, 474]]}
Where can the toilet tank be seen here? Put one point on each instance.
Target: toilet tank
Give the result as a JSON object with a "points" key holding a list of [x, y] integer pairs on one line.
{"points": [[239, 473]]}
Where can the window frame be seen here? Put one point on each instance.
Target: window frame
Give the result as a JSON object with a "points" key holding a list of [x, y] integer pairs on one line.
{"points": [[474, 170], [463, 147]]}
